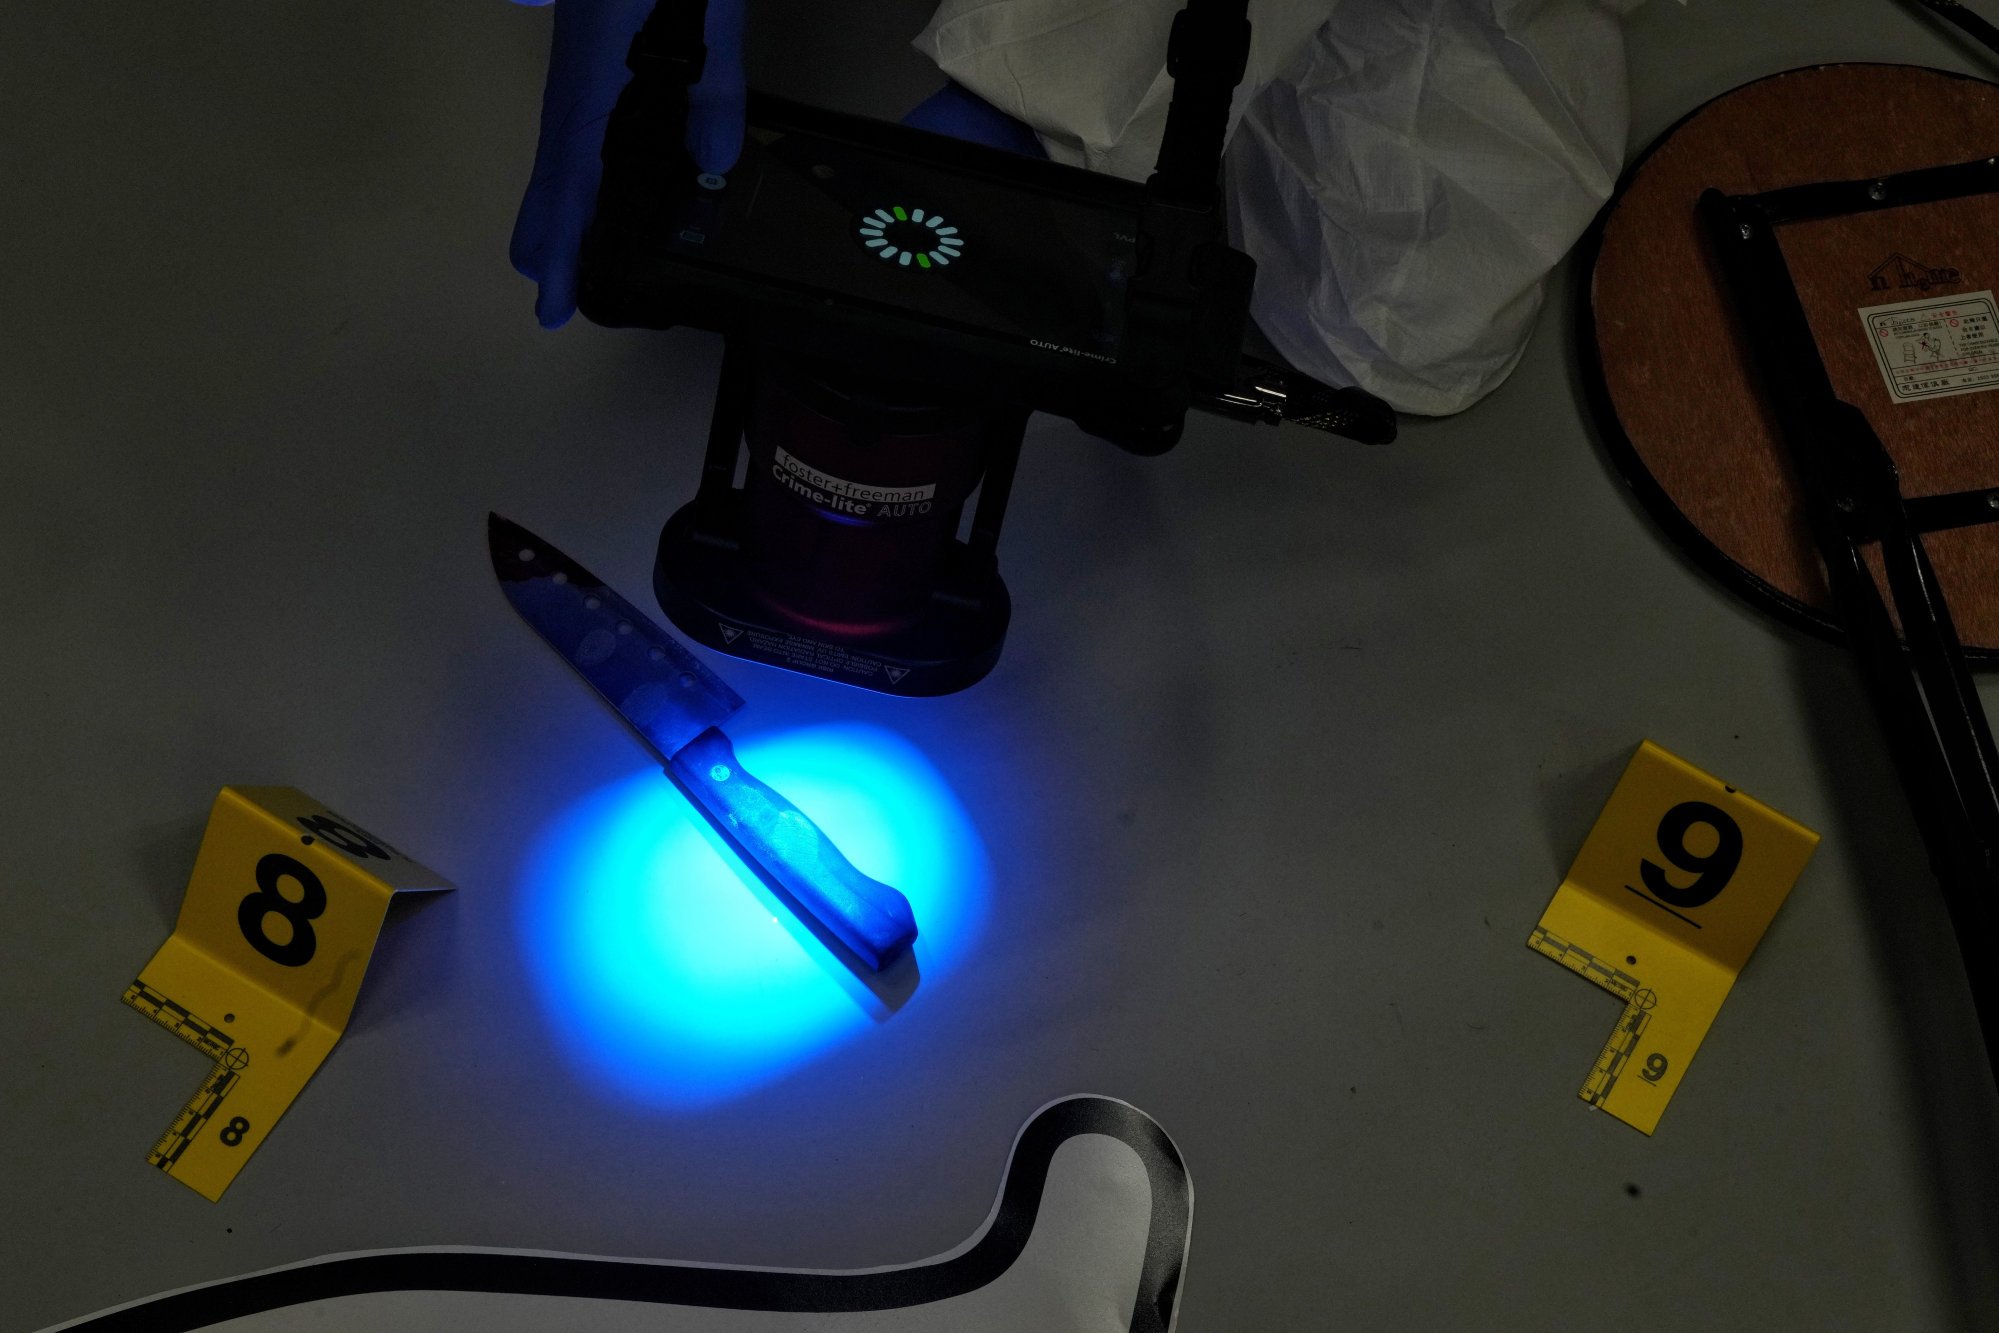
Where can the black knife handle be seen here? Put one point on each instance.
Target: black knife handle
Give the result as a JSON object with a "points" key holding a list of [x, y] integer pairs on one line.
{"points": [[866, 915]]}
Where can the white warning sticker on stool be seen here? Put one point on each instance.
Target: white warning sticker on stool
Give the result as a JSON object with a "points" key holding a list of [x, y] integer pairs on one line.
{"points": [[1937, 346]]}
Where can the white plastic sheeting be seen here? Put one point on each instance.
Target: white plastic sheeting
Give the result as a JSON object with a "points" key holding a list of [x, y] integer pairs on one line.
{"points": [[1404, 172]]}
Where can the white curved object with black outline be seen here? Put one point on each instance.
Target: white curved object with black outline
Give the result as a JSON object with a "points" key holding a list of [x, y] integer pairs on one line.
{"points": [[1090, 1232]]}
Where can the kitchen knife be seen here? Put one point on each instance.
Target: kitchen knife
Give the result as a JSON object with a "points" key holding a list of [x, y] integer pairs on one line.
{"points": [[677, 705]]}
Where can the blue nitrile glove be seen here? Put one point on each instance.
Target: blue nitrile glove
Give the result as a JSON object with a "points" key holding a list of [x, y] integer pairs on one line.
{"points": [[586, 72], [962, 114]]}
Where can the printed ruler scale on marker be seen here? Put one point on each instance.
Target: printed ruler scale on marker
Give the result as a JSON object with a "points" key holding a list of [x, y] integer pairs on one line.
{"points": [[281, 914], [230, 1061], [1671, 950], [1639, 1000]]}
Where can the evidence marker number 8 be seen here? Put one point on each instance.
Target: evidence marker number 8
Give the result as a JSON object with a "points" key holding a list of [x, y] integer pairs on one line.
{"points": [[280, 964], [254, 912], [301, 943]]}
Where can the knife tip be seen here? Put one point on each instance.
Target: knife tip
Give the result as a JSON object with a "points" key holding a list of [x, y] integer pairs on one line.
{"points": [[501, 531], [508, 544]]}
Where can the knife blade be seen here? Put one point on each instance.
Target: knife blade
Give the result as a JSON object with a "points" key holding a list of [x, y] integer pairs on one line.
{"points": [[676, 705]]}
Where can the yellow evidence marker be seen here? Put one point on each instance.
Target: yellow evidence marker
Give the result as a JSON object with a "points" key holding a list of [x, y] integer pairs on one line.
{"points": [[260, 974], [1673, 888]]}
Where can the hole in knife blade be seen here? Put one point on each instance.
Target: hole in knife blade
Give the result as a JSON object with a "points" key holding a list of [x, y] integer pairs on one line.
{"points": [[624, 627], [655, 653], [559, 576], [527, 553], [592, 603]]}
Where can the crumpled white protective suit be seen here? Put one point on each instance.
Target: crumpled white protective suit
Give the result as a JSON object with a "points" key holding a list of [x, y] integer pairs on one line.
{"points": [[1404, 172]]}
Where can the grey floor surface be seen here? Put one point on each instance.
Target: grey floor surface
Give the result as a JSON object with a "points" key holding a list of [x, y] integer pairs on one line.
{"points": [[1290, 744]]}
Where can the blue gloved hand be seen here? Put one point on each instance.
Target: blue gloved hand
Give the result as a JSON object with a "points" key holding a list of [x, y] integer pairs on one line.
{"points": [[586, 72], [963, 114]]}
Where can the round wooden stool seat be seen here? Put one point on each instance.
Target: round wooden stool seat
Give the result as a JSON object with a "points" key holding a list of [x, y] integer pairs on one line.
{"points": [[1669, 371]]}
